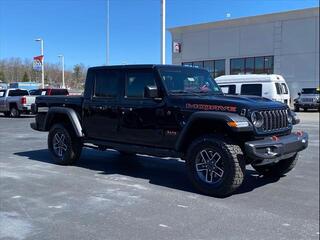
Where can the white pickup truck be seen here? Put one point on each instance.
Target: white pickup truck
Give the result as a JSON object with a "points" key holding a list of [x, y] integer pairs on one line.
{"points": [[15, 101]]}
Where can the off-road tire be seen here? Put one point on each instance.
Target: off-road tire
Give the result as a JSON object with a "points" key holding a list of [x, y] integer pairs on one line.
{"points": [[278, 169], [72, 142], [14, 112], [234, 165]]}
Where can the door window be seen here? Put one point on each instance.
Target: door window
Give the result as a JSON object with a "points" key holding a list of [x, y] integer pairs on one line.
{"points": [[251, 89], [136, 82], [106, 83]]}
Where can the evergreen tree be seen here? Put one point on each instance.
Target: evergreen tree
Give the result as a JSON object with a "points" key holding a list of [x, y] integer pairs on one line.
{"points": [[25, 77]]}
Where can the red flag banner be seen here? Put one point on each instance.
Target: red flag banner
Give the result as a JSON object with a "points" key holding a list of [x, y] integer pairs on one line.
{"points": [[37, 62]]}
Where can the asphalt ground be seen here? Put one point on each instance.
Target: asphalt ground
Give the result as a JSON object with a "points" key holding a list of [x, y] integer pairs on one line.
{"points": [[105, 196]]}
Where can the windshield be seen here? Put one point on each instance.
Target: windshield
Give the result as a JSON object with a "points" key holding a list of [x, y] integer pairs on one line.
{"points": [[310, 91], [188, 81]]}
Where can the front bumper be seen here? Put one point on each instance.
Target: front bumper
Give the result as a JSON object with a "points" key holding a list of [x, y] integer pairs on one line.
{"points": [[307, 105], [274, 149]]}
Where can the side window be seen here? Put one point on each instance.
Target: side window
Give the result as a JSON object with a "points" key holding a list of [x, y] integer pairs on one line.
{"points": [[228, 89], [106, 83], [2, 93], [136, 82], [251, 89], [278, 87]]}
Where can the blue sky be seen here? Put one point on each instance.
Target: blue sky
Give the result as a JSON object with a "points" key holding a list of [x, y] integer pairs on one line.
{"points": [[77, 28]]}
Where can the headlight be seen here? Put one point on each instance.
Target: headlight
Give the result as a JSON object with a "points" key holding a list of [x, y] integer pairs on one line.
{"points": [[293, 117], [257, 119]]}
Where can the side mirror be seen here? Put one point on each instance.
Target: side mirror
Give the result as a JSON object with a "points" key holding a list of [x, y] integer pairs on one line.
{"points": [[299, 94], [151, 92]]}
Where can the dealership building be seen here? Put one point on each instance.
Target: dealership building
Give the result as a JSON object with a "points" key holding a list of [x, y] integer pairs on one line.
{"points": [[285, 43]]}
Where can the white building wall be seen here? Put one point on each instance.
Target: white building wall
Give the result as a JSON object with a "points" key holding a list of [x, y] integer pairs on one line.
{"points": [[291, 37]]}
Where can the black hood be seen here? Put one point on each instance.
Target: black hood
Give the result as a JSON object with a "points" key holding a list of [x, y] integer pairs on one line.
{"points": [[230, 101]]}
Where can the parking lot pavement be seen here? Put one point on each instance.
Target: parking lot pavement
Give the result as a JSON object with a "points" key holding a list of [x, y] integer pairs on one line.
{"points": [[107, 197]]}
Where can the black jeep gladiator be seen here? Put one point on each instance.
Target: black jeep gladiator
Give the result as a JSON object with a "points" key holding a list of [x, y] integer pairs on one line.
{"points": [[173, 111]]}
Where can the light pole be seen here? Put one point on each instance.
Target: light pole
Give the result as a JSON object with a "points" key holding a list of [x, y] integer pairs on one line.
{"points": [[108, 31], [42, 65], [61, 57], [163, 32]]}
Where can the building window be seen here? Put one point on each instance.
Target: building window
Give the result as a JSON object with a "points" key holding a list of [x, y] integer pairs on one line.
{"points": [[237, 66], [251, 65], [215, 67]]}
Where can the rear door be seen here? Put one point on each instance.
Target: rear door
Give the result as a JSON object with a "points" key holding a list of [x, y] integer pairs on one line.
{"points": [[101, 112]]}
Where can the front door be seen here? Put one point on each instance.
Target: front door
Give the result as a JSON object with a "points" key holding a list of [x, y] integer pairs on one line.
{"points": [[139, 118], [101, 113]]}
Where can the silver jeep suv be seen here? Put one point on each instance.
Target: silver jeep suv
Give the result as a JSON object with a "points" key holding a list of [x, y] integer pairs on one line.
{"points": [[308, 99]]}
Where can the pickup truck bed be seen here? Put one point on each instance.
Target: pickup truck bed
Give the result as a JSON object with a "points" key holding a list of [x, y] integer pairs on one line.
{"points": [[74, 102]]}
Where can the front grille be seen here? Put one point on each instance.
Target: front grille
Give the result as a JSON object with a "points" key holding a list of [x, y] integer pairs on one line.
{"points": [[274, 120], [307, 99]]}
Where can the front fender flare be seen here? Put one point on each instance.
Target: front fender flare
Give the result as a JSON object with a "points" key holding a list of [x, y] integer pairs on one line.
{"points": [[223, 117]]}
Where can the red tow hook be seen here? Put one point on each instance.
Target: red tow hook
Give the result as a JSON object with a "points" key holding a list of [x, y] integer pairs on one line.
{"points": [[274, 138]]}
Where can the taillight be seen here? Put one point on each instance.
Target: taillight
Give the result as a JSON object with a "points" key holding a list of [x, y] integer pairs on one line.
{"points": [[23, 100]]}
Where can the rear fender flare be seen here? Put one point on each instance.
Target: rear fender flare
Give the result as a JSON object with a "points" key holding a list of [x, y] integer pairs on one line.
{"points": [[70, 113]]}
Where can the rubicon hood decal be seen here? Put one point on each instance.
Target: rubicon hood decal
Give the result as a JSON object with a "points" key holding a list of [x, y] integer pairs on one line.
{"points": [[209, 107]]}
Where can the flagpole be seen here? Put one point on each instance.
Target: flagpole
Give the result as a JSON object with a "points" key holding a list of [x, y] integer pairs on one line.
{"points": [[42, 62]]}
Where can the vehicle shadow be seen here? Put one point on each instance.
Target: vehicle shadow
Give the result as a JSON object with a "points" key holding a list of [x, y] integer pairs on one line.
{"points": [[169, 172]]}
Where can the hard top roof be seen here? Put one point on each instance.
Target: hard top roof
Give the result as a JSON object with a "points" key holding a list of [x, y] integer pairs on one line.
{"points": [[138, 66]]}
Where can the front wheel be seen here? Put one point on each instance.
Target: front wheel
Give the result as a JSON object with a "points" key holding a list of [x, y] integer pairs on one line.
{"points": [[64, 146], [216, 167], [278, 169]]}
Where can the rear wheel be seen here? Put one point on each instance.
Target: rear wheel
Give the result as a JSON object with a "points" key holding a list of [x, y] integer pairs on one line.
{"points": [[64, 146], [215, 167], [14, 112], [278, 169], [296, 109], [305, 109]]}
